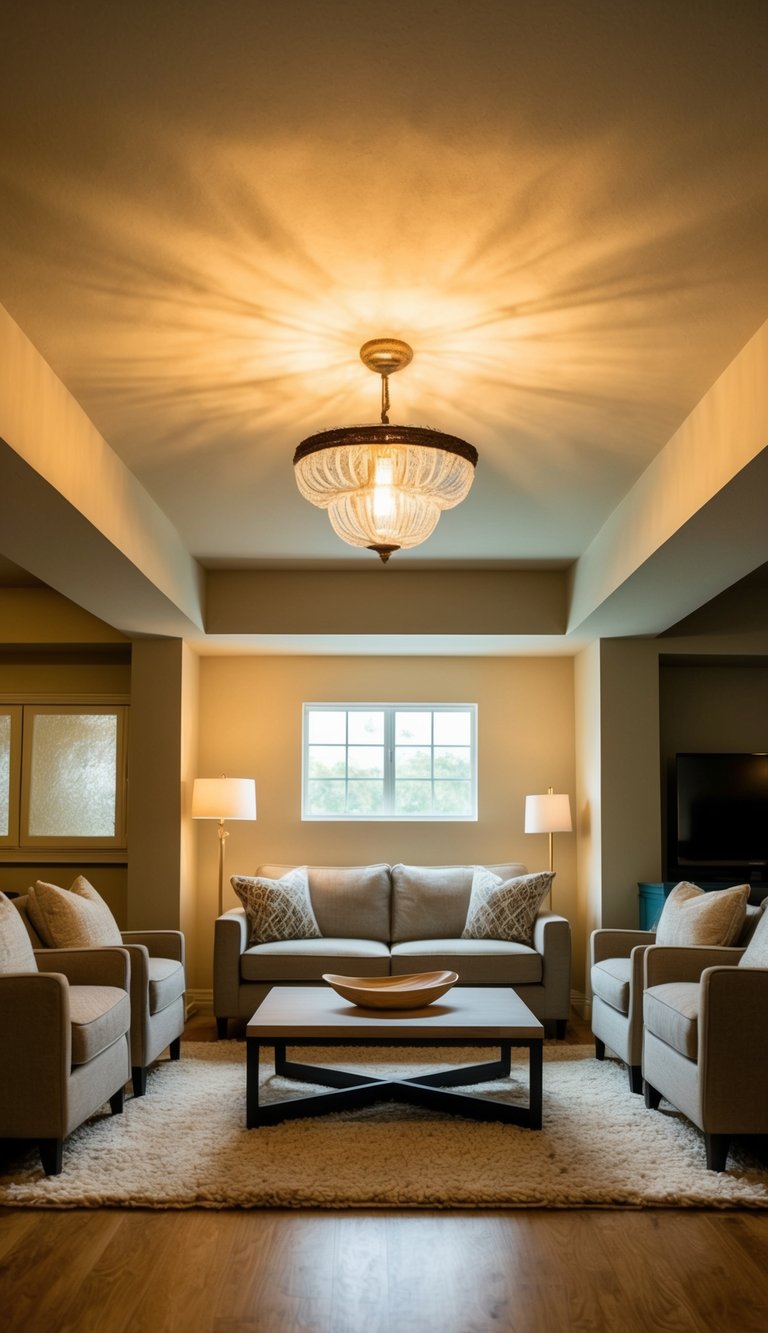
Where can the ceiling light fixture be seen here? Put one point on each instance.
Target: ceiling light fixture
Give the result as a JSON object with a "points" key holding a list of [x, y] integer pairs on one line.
{"points": [[384, 486]]}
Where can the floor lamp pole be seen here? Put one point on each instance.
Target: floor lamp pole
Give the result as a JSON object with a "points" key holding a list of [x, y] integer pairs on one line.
{"points": [[223, 835]]}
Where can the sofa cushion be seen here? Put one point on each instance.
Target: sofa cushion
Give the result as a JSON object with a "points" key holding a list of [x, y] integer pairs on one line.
{"points": [[756, 952], [74, 918], [307, 960], [277, 909], [694, 916], [478, 962], [430, 902], [16, 952], [671, 1013], [166, 982], [611, 982], [348, 901], [99, 1015], [505, 909]]}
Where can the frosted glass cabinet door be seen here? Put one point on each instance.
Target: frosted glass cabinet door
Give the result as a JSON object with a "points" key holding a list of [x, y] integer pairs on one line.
{"points": [[72, 782], [10, 763]]}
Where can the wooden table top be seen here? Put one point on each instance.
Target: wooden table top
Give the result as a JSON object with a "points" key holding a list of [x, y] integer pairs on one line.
{"points": [[466, 1012]]}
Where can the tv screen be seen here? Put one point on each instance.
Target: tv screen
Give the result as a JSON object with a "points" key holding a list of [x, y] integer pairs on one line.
{"points": [[722, 809]]}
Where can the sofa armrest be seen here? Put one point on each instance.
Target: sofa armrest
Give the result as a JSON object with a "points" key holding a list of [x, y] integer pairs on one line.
{"points": [[158, 943], [552, 939], [108, 966], [608, 943], [230, 941], [684, 962]]}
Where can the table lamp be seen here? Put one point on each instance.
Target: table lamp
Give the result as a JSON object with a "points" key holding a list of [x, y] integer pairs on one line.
{"points": [[223, 798]]}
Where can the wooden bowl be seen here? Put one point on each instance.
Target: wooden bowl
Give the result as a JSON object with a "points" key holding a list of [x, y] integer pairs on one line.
{"points": [[412, 991]]}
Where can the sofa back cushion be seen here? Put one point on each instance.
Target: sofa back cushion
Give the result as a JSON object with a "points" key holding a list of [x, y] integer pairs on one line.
{"points": [[431, 902], [349, 902]]}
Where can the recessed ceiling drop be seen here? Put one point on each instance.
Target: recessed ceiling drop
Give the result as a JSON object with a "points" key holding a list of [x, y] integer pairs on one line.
{"points": [[384, 486]]}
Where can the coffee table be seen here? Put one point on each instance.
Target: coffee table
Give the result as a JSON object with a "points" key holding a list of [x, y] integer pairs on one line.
{"points": [[300, 1016]]}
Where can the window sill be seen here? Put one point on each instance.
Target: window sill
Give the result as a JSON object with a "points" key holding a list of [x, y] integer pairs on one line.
{"points": [[32, 856]]}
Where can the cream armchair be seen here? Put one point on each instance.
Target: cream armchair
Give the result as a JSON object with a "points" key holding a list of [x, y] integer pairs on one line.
{"points": [[64, 1046], [705, 1043], [616, 974]]}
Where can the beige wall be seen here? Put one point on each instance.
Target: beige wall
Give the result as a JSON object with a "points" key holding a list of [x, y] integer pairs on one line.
{"points": [[250, 726]]}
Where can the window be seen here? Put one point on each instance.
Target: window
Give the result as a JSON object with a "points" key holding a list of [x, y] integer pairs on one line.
{"points": [[390, 761], [62, 776]]}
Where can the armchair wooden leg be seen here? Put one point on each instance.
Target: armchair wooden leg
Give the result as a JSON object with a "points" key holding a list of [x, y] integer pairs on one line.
{"points": [[560, 1026], [635, 1078], [716, 1146], [222, 1028], [175, 1049], [117, 1102], [139, 1079], [599, 1049], [652, 1097], [51, 1155]]}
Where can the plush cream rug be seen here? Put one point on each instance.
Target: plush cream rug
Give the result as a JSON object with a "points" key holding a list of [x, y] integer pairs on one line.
{"points": [[185, 1145]]}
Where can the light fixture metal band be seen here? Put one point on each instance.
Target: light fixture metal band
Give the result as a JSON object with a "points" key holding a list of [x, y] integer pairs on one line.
{"points": [[383, 435]]}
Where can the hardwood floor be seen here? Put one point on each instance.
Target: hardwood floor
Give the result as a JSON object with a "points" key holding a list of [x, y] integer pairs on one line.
{"points": [[380, 1271]]}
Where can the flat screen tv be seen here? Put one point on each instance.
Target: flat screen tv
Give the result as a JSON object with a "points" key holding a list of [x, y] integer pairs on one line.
{"points": [[722, 809]]}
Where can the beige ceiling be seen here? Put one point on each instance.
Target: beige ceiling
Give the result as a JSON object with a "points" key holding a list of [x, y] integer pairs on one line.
{"points": [[207, 208]]}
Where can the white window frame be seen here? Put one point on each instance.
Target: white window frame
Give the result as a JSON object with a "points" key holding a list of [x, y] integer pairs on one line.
{"points": [[18, 838], [389, 710]]}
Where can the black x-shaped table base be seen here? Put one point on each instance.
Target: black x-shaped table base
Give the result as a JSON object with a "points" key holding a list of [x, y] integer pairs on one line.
{"points": [[352, 1091]]}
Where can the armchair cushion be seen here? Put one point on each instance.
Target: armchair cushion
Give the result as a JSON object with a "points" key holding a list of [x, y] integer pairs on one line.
{"points": [[166, 983], [505, 909], [756, 952], [16, 952], [277, 909], [671, 1013], [99, 1016], [611, 979], [71, 918], [694, 916]]}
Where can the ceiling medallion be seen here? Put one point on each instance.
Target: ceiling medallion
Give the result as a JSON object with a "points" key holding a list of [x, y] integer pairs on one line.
{"points": [[384, 486]]}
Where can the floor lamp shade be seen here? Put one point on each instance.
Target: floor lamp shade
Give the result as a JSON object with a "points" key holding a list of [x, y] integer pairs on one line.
{"points": [[223, 798]]}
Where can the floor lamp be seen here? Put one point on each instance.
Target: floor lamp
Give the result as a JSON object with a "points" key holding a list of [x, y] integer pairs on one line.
{"points": [[550, 813], [223, 798]]}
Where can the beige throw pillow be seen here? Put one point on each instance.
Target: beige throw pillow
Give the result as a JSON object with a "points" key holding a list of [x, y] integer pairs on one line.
{"points": [[76, 918], [694, 916], [505, 909], [16, 952], [756, 952], [277, 909]]}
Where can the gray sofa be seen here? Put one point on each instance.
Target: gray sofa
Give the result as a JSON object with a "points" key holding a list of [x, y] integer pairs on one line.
{"points": [[381, 920]]}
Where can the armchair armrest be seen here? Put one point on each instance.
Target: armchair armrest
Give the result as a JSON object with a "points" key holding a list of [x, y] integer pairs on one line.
{"points": [[35, 1049], [110, 966], [609, 943], [685, 962], [733, 1047], [158, 943]]}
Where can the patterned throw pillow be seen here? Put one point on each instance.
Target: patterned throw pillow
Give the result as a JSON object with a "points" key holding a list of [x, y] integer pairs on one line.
{"points": [[277, 909], [694, 916], [505, 909], [756, 952], [16, 953], [76, 918]]}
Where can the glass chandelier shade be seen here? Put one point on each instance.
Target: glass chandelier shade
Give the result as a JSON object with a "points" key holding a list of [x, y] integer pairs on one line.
{"points": [[384, 486]]}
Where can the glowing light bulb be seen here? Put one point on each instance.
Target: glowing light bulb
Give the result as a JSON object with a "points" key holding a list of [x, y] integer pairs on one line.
{"points": [[383, 493]]}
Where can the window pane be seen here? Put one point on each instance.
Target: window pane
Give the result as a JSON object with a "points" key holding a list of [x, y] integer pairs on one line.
{"points": [[413, 763], [366, 761], [5, 773], [326, 728], [453, 798], [366, 728], [327, 798], [413, 798], [453, 729], [413, 728], [452, 763], [73, 775], [365, 798], [327, 761]]}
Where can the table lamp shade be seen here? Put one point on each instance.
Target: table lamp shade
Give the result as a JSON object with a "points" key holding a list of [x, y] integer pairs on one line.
{"points": [[550, 813], [224, 798]]}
